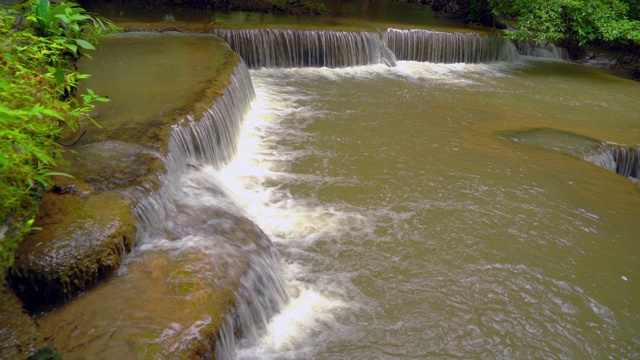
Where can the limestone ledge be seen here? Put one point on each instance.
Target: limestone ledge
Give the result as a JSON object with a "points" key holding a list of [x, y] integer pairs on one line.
{"points": [[87, 227]]}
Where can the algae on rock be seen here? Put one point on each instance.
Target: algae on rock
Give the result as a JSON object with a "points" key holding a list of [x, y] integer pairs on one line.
{"points": [[82, 241]]}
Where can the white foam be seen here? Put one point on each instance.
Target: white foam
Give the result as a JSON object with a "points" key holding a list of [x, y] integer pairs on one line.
{"points": [[306, 316], [457, 74], [255, 178], [257, 181]]}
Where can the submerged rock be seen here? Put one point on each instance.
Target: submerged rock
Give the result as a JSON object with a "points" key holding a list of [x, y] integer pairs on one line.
{"points": [[82, 241], [170, 302], [19, 336], [117, 165], [621, 159]]}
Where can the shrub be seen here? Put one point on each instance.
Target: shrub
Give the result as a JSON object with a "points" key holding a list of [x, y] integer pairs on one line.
{"points": [[39, 45]]}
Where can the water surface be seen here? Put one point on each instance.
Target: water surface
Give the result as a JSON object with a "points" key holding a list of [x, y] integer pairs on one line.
{"points": [[354, 15], [412, 227]]}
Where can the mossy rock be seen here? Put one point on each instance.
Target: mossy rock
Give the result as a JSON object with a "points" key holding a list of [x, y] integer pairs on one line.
{"points": [[114, 166], [19, 336], [170, 301], [82, 241]]}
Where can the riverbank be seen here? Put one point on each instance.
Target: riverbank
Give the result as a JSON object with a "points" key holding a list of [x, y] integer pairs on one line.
{"points": [[620, 58]]}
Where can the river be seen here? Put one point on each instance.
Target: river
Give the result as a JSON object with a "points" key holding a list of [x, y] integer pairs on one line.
{"points": [[411, 226], [433, 210]]}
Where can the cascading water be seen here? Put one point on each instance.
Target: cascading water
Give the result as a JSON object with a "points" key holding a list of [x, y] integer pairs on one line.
{"points": [[407, 228], [447, 48], [545, 51], [211, 143], [282, 48], [197, 147], [306, 48], [619, 159], [208, 141]]}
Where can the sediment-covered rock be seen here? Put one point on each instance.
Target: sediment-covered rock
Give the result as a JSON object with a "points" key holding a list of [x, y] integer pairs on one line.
{"points": [[82, 241], [171, 300], [19, 336]]}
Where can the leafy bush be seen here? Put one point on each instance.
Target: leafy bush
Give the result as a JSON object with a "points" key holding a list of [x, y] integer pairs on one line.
{"points": [[298, 7], [39, 45], [580, 21]]}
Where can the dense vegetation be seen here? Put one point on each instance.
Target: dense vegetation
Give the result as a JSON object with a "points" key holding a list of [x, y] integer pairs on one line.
{"points": [[39, 45], [579, 21], [612, 25]]}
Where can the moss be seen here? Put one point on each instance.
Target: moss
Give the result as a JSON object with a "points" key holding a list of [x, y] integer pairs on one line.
{"points": [[150, 348], [82, 241]]}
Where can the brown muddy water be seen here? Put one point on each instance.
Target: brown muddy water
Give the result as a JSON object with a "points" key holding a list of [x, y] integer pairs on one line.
{"points": [[420, 215], [441, 210]]}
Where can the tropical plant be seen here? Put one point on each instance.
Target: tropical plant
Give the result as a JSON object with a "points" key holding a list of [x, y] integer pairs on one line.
{"points": [[579, 21], [69, 24], [39, 45]]}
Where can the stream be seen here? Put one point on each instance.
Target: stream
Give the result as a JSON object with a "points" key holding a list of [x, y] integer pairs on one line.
{"points": [[444, 204]]}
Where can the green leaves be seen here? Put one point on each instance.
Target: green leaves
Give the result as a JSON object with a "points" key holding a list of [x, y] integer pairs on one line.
{"points": [[69, 25], [84, 44], [37, 72], [581, 21]]}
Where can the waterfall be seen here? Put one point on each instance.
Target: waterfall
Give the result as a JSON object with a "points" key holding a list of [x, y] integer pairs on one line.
{"points": [[545, 51], [442, 47], [212, 140], [622, 160], [317, 48], [306, 48]]}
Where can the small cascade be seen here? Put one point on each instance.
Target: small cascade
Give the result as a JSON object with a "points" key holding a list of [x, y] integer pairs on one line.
{"points": [[544, 51], [284, 48], [212, 140], [174, 212], [622, 160], [447, 48], [261, 295]]}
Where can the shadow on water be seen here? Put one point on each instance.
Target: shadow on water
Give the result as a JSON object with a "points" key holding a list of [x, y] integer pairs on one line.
{"points": [[352, 15]]}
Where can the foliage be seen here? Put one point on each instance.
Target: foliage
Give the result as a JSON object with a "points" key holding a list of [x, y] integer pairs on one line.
{"points": [[580, 21], [634, 9], [46, 353], [39, 45], [316, 7], [299, 7]]}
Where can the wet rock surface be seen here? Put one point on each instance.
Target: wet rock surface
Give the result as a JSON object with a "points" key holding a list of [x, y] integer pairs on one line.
{"points": [[170, 301], [116, 165], [174, 293], [19, 336], [82, 241], [621, 159]]}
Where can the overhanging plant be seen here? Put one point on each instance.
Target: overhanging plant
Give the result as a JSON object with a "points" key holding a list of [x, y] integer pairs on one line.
{"points": [[39, 44]]}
